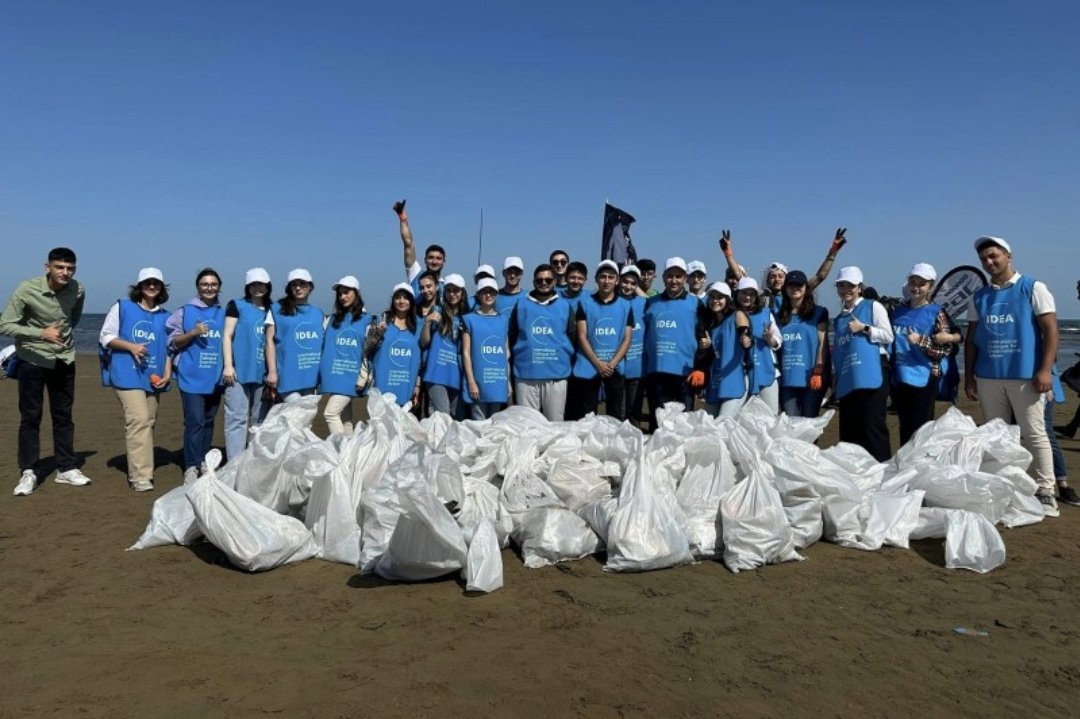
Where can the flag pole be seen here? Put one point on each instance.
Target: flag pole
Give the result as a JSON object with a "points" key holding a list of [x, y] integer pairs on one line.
{"points": [[480, 242]]}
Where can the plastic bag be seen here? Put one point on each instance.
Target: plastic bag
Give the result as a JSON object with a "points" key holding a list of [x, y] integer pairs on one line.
{"points": [[954, 488], [172, 520], [577, 480], [598, 516], [756, 531], [331, 510], [426, 542], [252, 536], [972, 542], [483, 562], [892, 519], [708, 477], [552, 534]]}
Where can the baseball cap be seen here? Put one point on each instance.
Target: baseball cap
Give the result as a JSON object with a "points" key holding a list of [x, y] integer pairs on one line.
{"points": [[403, 287], [850, 274], [991, 240], [795, 277], [777, 267], [609, 264], [631, 270], [721, 287], [484, 270], [677, 263], [696, 266], [454, 279], [150, 273], [256, 274], [923, 270], [347, 281], [747, 283], [299, 274], [513, 262], [486, 283]]}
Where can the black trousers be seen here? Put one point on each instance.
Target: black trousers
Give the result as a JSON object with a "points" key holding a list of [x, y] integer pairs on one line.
{"points": [[34, 381], [862, 418], [914, 406], [583, 396], [662, 388]]}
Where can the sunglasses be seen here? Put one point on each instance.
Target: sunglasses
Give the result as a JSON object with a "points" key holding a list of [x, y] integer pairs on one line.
{"points": [[560, 262], [543, 280]]}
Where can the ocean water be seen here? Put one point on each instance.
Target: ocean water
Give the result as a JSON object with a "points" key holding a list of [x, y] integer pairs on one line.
{"points": [[86, 336]]}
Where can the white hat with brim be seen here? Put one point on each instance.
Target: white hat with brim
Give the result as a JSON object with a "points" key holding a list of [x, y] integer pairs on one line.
{"points": [[608, 264], [299, 274], [487, 283], [923, 270], [513, 262], [721, 287], [484, 270], [256, 274], [696, 266], [454, 279], [347, 281], [747, 283], [850, 274], [630, 270], [403, 287], [675, 263], [150, 273], [985, 240]]}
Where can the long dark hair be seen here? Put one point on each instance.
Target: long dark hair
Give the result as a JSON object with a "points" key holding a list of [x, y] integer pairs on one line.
{"points": [[135, 293], [806, 311], [288, 302], [711, 320], [357, 310], [410, 315], [266, 297], [451, 314], [417, 307]]}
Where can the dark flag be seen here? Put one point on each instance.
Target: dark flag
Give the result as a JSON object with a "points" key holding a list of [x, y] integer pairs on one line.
{"points": [[616, 243]]}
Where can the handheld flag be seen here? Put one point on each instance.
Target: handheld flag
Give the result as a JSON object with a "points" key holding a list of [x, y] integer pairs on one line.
{"points": [[616, 243]]}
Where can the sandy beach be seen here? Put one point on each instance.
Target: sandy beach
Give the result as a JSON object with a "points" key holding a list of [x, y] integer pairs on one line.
{"points": [[92, 630]]}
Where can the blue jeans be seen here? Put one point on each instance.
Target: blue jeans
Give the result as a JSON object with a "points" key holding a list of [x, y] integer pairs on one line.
{"points": [[243, 408], [443, 399], [199, 413], [800, 401], [1055, 447]]}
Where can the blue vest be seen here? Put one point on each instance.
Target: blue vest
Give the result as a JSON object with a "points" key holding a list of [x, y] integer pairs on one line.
{"points": [[542, 351], [298, 341], [764, 365], [798, 353], [397, 363], [776, 302], [573, 300], [249, 343], [670, 342], [145, 328], [490, 364], [949, 383], [857, 359], [910, 364], [443, 365], [1007, 337], [341, 354], [1055, 385], [505, 304], [198, 366], [727, 376], [633, 366], [605, 326]]}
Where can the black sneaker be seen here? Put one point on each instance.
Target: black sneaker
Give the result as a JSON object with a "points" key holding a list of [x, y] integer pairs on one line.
{"points": [[1069, 496]]}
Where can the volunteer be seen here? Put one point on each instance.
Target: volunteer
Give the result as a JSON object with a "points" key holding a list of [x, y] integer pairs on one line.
{"points": [[541, 335], [139, 368], [395, 348], [761, 371], [294, 340], [243, 348], [803, 328], [558, 260], [195, 332], [696, 279], [485, 353], [633, 363], [577, 274], [434, 255], [440, 337], [723, 352], [344, 332], [510, 292]]}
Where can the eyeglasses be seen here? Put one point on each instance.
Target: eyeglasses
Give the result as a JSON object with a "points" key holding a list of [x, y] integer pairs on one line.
{"points": [[560, 262], [543, 280]]}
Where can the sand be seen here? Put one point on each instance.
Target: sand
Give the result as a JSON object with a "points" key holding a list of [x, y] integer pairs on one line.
{"points": [[91, 630]]}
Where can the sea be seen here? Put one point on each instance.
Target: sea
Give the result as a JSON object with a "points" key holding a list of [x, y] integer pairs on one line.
{"points": [[86, 336]]}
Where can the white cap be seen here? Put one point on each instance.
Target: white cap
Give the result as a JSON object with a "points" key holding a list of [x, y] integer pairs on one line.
{"points": [[513, 262], [347, 281], [631, 270], [923, 270], [256, 274], [484, 269], [776, 267], [487, 283], [299, 274], [991, 240], [696, 266], [850, 274], [675, 263], [721, 287], [610, 264], [747, 283], [454, 279], [150, 273], [403, 286]]}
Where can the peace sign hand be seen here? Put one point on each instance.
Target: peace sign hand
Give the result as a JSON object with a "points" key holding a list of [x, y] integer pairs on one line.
{"points": [[838, 241], [725, 242]]}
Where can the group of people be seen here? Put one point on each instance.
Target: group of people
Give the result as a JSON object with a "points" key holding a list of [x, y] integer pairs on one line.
{"points": [[558, 347]]}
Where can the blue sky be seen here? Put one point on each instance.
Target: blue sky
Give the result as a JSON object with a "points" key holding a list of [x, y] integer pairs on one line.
{"points": [[279, 134]]}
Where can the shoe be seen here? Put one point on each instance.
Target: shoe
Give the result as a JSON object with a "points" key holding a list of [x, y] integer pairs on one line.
{"points": [[1069, 496], [1050, 508], [191, 474], [1066, 431], [142, 485], [74, 477], [27, 483]]}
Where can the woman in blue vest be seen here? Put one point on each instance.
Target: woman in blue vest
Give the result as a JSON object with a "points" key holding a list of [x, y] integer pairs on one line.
{"points": [[633, 365], [195, 332], [862, 333], [922, 342], [244, 357], [343, 344], [485, 353], [427, 297], [440, 337], [136, 353], [803, 325], [294, 338], [761, 371], [395, 348], [723, 357]]}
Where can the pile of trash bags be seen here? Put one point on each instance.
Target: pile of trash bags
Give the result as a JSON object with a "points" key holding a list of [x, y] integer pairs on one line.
{"points": [[412, 500]]}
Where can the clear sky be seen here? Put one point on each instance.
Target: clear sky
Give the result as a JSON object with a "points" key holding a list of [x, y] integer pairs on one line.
{"points": [[234, 134]]}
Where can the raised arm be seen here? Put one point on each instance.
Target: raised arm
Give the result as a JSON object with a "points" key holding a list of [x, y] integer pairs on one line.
{"points": [[822, 273], [729, 254], [406, 235]]}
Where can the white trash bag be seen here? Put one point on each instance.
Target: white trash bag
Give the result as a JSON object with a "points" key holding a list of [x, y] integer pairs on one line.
{"points": [[172, 520], [552, 534], [483, 562], [756, 530], [426, 542], [972, 542]]}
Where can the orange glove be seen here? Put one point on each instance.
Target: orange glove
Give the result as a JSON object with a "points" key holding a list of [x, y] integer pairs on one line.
{"points": [[696, 379], [815, 379]]}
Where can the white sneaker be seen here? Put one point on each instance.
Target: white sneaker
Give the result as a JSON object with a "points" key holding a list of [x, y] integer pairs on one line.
{"points": [[142, 485], [74, 477], [191, 474], [27, 483], [1050, 507]]}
